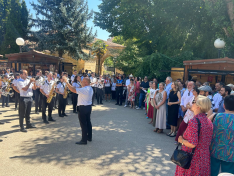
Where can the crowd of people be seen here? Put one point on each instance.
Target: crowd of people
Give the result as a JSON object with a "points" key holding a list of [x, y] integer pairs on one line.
{"points": [[174, 105]]}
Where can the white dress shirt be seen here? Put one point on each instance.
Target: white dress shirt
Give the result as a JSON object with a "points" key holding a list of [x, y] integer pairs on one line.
{"points": [[107, 83], [216, 100], [47, 86], [85, 95], [73, 77], [99, 84], [93, 80], [14, 82], [152, 92], [186, 97], [39, 82], [61, 87], [23, 83], [76, 85], [113, 86], [127, 82]]}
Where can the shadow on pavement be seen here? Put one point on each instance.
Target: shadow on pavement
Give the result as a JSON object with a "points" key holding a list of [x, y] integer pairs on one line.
{"points": [[121, 145]]}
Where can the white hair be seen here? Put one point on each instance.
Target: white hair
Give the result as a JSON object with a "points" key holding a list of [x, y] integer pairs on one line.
{"points": [[169, 78]]}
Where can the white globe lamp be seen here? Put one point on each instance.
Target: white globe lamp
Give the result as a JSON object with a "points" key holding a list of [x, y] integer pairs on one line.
{"points": [[219, 44], [20, 42]]}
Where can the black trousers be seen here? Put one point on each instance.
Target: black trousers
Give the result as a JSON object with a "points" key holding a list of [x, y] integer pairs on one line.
{"points": [[44, 106], [38, 100], [5, 99], [119, 94], [113, 94], [17, 97], [56, 98], [25, 104], [94, 94], [74, 102], [84, 114], [62, 104], [99, 95]]}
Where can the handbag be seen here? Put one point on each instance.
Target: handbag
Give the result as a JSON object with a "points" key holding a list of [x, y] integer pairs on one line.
{"points": [[182, 158]]}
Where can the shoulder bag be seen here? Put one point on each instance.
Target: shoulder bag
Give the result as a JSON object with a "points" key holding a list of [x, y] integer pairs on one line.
{"points": [[182, 158]]}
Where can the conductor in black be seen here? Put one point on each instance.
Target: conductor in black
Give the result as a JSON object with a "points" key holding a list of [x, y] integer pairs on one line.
{"points": [[26, 87], [85, 107]]}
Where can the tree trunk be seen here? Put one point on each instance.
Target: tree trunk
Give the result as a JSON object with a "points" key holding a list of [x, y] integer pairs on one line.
{"points": [[230, 10]]}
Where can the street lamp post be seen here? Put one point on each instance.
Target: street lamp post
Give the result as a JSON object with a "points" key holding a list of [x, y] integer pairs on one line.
{"points": [[114, 60], [20, 43], [219, 44]]}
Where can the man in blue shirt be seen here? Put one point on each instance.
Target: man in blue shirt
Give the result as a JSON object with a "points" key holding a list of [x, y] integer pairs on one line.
{"points": [[144, 87], [119, 91], [224, 91]]}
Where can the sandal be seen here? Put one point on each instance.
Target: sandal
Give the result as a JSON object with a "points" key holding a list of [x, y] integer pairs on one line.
{"points": [[173, 134], [156, 130], [160, 131], [150, 122], [169, 133]]}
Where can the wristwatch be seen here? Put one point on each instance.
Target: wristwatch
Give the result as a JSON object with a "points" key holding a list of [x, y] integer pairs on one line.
{"points": [[183, 142]]}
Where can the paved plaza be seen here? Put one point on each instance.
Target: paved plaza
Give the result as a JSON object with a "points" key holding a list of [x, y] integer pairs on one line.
{"points": [[123, 144]]}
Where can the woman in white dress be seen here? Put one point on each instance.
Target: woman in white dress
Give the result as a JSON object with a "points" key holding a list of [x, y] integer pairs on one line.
{"points": [[160, 104]]}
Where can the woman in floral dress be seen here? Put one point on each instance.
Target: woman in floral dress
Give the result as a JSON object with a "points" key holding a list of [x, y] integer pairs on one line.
{"points": [[131, 94], [200, 164]]}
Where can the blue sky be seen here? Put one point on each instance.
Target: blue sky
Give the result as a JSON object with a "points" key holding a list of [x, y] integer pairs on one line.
{"points": [[93, 4]]}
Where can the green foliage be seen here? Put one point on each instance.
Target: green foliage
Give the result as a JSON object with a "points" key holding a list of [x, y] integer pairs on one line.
{"points": [[13, 28], [63, 27], [24, 20]]}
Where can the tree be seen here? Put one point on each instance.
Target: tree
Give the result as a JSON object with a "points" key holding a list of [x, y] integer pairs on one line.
{"points": [[13, 28], [24, 20], [63, 27], [167, 26], [99, 50]]}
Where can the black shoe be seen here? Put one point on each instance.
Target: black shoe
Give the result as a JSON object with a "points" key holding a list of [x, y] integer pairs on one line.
{"points": [[23, 130], [7, 106], [56, 107], [37, 112], [64, 114], [51, 119], [93, 105], [45, 121], [89, 140], [61, 115], [30, 126], [1, 123], [0, 140], [120, 104], [81, 143], [101, 103]]}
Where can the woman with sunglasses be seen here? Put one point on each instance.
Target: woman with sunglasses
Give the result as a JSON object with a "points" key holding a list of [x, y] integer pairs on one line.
{"points": [[188, 115], [200, 164]]}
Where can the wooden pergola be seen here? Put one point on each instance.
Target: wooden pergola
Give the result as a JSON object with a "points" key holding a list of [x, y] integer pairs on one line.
{"points": [[33, 60]]}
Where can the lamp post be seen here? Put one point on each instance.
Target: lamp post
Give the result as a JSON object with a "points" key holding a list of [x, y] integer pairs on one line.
{"points": [[114, 60], [20, 43], [219, 44]]}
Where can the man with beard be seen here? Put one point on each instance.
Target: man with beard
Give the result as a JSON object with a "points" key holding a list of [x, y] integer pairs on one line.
{"points": [[225, 91]]}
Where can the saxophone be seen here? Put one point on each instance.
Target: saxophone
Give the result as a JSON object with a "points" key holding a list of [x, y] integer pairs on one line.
{"points": [[51, 94], [8, 88], [65, 92]]}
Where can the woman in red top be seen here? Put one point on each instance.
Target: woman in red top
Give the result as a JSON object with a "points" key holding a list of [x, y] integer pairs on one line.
{"points": [[200, 164]]}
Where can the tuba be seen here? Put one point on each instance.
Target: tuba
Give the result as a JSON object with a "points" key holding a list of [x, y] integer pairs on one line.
{"points": [[51, 94], [65, 92]]}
